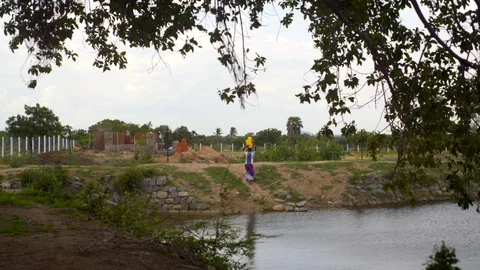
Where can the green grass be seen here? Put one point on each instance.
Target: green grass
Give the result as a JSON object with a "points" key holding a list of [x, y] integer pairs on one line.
{"points": [[223, 176], [46, 227], [13, 226], [13, 199], [332, 166], [268, 177], [196, 180], [383, 167], [299, 166]]}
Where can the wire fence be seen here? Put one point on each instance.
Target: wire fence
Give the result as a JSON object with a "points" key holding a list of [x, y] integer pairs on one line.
{"points": [[18, 146]]}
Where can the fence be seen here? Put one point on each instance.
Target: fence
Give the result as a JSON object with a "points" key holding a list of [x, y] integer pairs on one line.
{"points": [[221, 147], [30, 145]]}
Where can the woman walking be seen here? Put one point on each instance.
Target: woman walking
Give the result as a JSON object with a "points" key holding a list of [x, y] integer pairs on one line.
{"points": [[249, 169]]}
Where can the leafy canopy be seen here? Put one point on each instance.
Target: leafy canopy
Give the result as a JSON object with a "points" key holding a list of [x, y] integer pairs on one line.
{"points": [[37, 121], [424, 76]]}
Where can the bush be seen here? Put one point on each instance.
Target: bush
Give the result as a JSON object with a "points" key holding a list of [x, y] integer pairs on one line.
{"points": [[130, 179], [46, 179], [16, 161], [305, 151]]}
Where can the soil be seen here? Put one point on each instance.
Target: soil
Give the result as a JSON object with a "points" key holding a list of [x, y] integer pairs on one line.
{"points": [[72, 244]]}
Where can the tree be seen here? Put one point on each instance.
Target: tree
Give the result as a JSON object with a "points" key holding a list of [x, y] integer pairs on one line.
{"points": [[115, 125], [426, 81], [294, 128], [269, 136], [444, 258], [166, 133], [146, 127], [218, 133], [182, 132], [37, 121], [233, 133]]}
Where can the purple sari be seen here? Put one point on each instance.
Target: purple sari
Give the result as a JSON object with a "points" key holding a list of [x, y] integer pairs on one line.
{"points": [[250, 170]]}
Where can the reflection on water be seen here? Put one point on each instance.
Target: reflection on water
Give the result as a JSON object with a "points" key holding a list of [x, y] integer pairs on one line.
{"points": [[383, 238]]}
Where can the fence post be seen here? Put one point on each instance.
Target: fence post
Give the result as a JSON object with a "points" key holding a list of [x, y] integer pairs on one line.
{"points": [[53, 143], [347, 147], [221, 147], [11, 146], [264, 146], [39, 145], [33, 145], [358, 147], [19, 147], [210, 145], [73, 144], [58, 143], [26, 145], [200, 146], [388, 149], [317, 147], [232, 147], [44, 143], [3, 147]]}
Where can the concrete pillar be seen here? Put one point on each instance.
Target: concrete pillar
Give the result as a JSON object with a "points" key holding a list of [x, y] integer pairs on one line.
{"points": [[347, 147], [3, 147], [11, 146], [39, 141], [221, 147], [58, 143], [232, 147], [358, 147], [26, 145], [33, 145], [200, 146], [19, 147], [44, 143]]}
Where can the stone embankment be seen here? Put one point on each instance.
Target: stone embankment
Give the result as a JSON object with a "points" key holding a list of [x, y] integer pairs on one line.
{"points": [[168, 196], [371, 191]]}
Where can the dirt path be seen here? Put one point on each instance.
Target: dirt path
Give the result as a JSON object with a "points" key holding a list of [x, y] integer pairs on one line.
{"points": [[53, 240]]}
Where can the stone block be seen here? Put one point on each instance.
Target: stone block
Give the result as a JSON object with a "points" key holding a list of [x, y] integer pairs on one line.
{"points": [[176, 207], [172, 189], [156, 188], [147, 189], [278, 207], [190, 200], [167, 206], [289, 208], [291, 204], [169, 178], [161, 180], [166, 189], [300, 209], [169, 200], [301, 204], [6, 184], [183, 194], [172, 194], [178, 200], [154, 194], [279, 200], [182, 188], [162, 194]]}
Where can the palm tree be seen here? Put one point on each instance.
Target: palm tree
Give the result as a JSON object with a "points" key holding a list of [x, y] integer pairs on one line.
{"points": [[218, 133], [233, 133], [294, 126]]}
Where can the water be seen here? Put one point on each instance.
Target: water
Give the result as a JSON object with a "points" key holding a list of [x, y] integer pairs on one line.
{"points": [[381, 238]]}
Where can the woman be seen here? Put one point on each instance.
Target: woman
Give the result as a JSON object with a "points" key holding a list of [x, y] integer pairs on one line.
{"points": [[249, 169]]}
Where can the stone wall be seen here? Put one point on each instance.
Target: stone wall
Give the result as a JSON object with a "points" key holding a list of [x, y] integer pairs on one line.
{"points": [[370, 191], [169, 197]]}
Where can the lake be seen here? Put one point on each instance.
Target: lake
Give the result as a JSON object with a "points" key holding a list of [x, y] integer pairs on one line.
{"points": [[380, 238]]}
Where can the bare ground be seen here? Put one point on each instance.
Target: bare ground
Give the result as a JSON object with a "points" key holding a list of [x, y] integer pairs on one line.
{"points": [[54, 240]]}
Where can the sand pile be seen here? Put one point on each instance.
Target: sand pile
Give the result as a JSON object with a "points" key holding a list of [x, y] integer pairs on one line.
{"points": [[206, 150]]}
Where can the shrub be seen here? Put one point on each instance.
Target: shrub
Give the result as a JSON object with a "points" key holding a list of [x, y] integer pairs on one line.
{"points": [[130, 179], [46, 179]]}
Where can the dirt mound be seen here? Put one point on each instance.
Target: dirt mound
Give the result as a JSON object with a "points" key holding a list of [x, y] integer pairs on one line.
{"points": [[160, 159], [206, 150], [65, 158]]}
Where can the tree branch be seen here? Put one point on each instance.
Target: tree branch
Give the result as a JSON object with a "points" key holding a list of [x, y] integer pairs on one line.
{"points": [[438, 39]]}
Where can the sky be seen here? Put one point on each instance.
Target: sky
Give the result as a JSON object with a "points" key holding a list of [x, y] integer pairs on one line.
{"points": [[185, 92]]}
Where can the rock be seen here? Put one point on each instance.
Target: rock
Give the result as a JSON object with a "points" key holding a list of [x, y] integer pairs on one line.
{"points": [[166, 189], [177, 207], [197, 206], [291, 204], [155, 188], [289, 208], [162, 194], [172, 189], [172, 194], [167, 206], [330, 203], [190, 199], [111, 203], [300, 209], [278, 207], [154, 194], [279, 200], [6, 184], [178, 200], [169, 200], [301, 204], [110, 188], [117, 197], [150, 181], [76, 179], [182, 188], [161, 180], [183, 194], [147, 189], [107, 178], [16, 185], [169, 178], [161, 202], [155, 200]]}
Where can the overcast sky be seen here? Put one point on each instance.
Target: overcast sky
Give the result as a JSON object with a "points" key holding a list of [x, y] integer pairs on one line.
{"points": [[185, 93]]}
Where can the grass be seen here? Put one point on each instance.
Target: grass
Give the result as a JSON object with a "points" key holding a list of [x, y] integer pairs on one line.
{"points": [[196, 180], [11, 199], [223, 176], [331, 167], [46, 227], [262, 201], [299, 166], [268, 177], [12, 227]]}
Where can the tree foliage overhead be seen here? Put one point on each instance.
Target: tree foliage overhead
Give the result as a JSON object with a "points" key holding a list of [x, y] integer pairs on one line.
{"points": [[37, 121], [426, 76]]}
